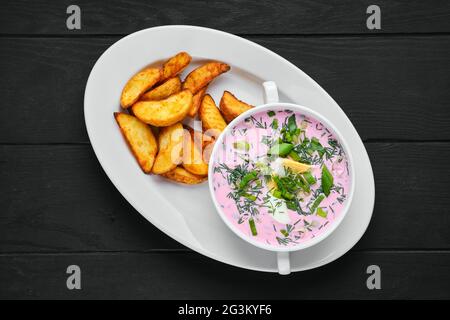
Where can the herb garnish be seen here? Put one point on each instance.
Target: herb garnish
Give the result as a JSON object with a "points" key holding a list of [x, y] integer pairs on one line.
{"points": [[321, 213], [327, 180], [252, 225], [241, 145], [317, 202], [281, 149]]}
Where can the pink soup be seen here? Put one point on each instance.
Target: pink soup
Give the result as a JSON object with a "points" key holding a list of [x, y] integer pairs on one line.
{"points": [[281, 177]]}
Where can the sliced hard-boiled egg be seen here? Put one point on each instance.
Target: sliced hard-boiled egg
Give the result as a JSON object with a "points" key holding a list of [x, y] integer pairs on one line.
{"points": [[295, 166], [278, 167]]}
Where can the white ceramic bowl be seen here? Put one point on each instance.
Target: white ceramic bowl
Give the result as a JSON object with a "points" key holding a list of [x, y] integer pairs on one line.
{"points": [[271, 97]]}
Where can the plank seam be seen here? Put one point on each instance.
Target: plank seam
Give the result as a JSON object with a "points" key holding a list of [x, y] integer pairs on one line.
{"points": [[253, 35], [183, 251]]}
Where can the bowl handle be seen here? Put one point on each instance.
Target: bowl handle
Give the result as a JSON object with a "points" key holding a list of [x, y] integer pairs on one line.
{"points": [[270, 92], [284, 263]]}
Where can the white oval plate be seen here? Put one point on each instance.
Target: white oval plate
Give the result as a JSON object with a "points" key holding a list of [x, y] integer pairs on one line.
{"points": [[186, 213]]}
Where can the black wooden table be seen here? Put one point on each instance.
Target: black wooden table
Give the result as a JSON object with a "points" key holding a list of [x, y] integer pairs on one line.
{"points": [[58, 208]]}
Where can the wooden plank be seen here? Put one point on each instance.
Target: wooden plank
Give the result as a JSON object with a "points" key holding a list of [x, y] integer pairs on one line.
{"points": [[404, 275], [391, 88], [57, 199], [249, 17]]}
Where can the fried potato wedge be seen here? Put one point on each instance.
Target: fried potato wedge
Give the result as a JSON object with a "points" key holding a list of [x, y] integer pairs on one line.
{"points": [[181, 175], [201, 140], [196, 101], [140, 138], [210, 116], [163, 91], [138, 84], [231, 107], [165, 112], [193, 157], [175, 65], [200, 77], [170, 142], [207, 150]]}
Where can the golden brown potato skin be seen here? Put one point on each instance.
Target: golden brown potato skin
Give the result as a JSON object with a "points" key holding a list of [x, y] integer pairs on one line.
{"points": [[192, 156], [163, 91], [231, 107], [175, 65], [201, 140], [170, 142], [210, 116], [181, 175], [196, 101], [140, 139], [201, 76], [165, 112], [138, 84]]}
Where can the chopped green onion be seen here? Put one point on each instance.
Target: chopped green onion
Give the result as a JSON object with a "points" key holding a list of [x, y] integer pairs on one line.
{"points": [[327, 180], [271, 113], [250, 197], [287, 137], [303, 184], [281, 149], [315, 141], [241, 145], [317, 202], [309, 177], [292, 124], [278, 182], [274, 124], [251, 222], [292, 205], [277, 194], [247, 178], [321, 213], [315, 145], [294, 156], [287, 195], [284, 233]]}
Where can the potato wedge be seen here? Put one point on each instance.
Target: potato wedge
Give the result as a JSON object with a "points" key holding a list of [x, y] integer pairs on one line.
{"points": [[175, 65], [163, 91], [193, 157], [200, 77], [201, 140], [207, 150], [181, 175], [138, 84], [210, 116], [170, 142], [165, 112], [140, 138], [196, 101], [231, 107]]}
